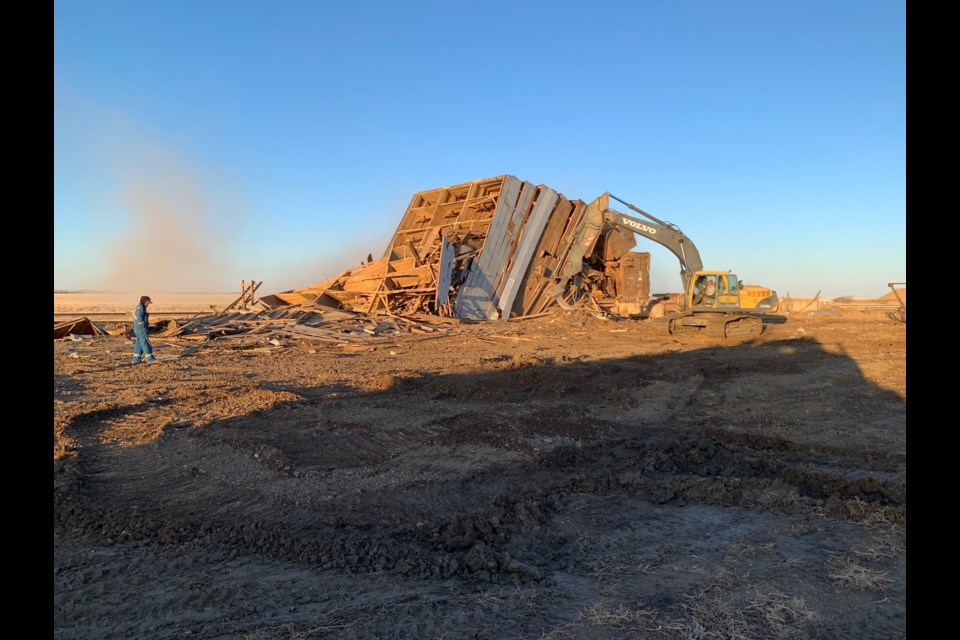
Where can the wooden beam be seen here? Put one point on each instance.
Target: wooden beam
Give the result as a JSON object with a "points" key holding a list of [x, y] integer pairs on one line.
{"points": [[479, 286], [529, 239], [243, 294]]}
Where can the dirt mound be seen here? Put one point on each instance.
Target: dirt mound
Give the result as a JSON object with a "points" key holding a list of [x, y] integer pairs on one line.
{"points": [[893, 295]]}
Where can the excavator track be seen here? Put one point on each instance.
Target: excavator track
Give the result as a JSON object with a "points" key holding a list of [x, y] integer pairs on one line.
{"points": [[720, 325]]}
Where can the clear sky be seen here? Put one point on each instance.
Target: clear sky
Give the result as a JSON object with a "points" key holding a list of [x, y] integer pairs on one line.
{"points": [[200, 143]]}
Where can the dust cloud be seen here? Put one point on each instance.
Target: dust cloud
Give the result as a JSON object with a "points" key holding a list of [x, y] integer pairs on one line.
{"points": [[308, 272], [172, 237], [177, 234]]}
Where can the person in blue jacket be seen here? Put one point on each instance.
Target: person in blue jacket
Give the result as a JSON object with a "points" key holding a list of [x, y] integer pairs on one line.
{"points": [[141, 323]]}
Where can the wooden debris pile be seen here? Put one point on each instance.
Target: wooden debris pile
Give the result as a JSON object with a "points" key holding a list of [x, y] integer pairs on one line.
{"points": [[77, 327], [481, 250], [328, 325]]}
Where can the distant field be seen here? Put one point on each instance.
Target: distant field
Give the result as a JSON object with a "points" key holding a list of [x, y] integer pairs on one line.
{"points": [[100, 302]]}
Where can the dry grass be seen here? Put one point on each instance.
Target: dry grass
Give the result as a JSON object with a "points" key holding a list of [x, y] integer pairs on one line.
{"points": [[885, 550], [648, 567], [721, 579], [487, 599], [765, 616], [772, 615], [529, 599], [607, 580], [848, 573], [752, 550], [563, 632], [781, 614], [616, 617], [875, 516]]}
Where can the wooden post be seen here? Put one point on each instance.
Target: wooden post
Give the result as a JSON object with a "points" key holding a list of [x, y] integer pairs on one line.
{"points": [[243, 294]]}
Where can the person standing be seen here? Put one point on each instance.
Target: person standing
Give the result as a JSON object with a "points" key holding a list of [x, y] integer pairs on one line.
{"points": [[141, 324]]}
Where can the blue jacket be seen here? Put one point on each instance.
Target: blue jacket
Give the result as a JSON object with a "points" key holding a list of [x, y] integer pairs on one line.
{"points": [[141, 318]]}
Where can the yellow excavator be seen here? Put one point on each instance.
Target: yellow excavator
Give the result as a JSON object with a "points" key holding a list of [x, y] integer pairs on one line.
{"points": [[714, 302]]}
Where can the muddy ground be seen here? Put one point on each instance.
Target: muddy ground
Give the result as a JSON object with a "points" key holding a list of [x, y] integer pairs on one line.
{"points": [[559, 477]]}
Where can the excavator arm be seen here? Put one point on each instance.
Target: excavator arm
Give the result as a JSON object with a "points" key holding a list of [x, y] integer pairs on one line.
{"points": [[725, 318], [663, 233], [589, 229]]}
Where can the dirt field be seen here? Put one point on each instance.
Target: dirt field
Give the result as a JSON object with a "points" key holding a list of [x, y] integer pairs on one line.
{"points": [[559, 477], [67, 304]]}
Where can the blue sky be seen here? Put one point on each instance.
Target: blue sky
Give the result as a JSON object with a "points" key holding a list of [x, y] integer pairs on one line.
{"points": [[201, 143]]}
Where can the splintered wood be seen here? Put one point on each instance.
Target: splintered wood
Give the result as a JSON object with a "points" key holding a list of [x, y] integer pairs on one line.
{"points": [[481, 250], [77, 327], [345, 330]]}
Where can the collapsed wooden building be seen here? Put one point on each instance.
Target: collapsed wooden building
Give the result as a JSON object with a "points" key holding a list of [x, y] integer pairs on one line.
{"points": [[484, 250]]}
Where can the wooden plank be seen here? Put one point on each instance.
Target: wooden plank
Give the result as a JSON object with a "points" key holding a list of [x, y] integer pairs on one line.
{"points": [[445, 275], [531, 296], [82, 326], [505, 245], [544, 258], [544, 300], [402, 264], [310, 336], [375, 268], [555, 228], [498, 249], [406, 292], [425, 246], [509, 250], [535, 315], [530, 238], [476, 289], [429, 319], [422, 273], [243, 288], [347, 297], [363, 286]]}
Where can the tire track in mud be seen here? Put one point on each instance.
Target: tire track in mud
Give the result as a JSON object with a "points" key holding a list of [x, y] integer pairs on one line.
{"points": [[688, 465], [732, 462], [534, 480], [111, 450], [694, 468], [713, 468]]}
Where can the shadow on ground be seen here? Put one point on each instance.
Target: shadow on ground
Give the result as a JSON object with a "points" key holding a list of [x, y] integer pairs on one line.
{"points": [[745, 491]]}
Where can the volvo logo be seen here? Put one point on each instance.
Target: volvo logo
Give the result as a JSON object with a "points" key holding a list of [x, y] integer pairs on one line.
{"points": [[633, 224]]}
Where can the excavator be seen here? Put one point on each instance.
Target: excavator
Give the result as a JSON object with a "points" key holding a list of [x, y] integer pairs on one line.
{"points": [[714, 302]]}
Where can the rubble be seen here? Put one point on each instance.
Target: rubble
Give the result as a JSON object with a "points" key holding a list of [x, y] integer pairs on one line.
{"points": [[78, 326], [476, 251], [481, 250], [323, 325], [484, 250]]}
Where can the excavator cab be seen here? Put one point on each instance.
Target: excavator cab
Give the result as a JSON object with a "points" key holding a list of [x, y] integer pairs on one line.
{"points": [[728, 294], [714, 290], [728, 291]]}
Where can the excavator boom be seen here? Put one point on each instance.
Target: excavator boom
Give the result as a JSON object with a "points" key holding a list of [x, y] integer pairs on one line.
{"points": [[725, 316], [598, 214], [663, 233]]}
